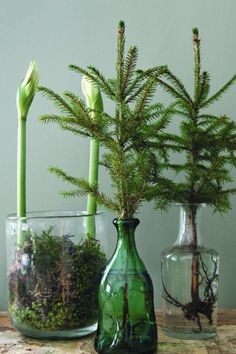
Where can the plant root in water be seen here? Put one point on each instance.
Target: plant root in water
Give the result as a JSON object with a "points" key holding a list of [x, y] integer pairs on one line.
{"points": [[193, 309]]}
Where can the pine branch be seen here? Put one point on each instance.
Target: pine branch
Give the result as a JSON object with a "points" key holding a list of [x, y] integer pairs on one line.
{"points": [[177, 84], [156, 71], [63, 175], [75, 130], [204, 87], [133, 87], [129, 67], [101, 199], [83, 188], [96, 78], [137, 86], [102, 81], [143, 98], [76, 103], [51, 118], [174, 93], [219, 93], [229, 191], [60, 103]]}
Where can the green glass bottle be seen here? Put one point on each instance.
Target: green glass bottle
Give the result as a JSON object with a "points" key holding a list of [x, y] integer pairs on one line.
{"points": [[126, 322]]}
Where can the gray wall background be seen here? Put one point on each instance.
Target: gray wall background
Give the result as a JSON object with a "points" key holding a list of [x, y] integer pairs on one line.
{"points": [[58, 32]]}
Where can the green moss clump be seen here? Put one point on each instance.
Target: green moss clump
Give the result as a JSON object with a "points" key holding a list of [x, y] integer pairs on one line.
{"points": [[53, 282]]}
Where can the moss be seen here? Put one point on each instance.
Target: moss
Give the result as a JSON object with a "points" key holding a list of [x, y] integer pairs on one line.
{"points": [[57, 287]]}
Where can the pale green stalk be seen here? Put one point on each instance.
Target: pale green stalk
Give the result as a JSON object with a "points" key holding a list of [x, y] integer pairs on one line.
{"points": [[21, 169], [25, 95], [94, 101]]}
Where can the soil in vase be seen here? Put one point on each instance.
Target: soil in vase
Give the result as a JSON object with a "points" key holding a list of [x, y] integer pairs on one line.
{"points": [[53, 284]]}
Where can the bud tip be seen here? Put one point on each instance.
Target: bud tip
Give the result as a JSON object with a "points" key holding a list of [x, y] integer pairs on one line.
{"points": [[121, 25]]}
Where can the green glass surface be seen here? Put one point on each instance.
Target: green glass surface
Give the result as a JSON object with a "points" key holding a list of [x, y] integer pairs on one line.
{"points": [[126, 321]]}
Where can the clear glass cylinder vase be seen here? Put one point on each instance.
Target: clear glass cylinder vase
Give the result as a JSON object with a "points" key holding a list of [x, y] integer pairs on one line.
{"points": [[54, 262], [126, 321], [189, 273]]}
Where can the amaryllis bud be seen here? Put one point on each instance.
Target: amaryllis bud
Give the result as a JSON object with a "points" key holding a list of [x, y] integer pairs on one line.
{"points": [[26, 91], [92, 94]]}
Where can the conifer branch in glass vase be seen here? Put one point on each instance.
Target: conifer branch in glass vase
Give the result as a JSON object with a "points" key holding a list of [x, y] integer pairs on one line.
{"points": [[208, 143], [135, 148]]}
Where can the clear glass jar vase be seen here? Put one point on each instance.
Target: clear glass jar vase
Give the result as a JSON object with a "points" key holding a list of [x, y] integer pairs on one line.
{"points": [[126, 320], [54, 265], [189, 273]]}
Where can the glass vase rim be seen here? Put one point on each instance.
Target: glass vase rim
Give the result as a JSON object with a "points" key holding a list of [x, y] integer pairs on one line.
{"points": [[126, 221], [53, 214], [185, 204]]}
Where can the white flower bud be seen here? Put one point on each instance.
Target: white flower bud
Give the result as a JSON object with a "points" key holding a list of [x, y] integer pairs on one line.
{"points": [[26, 91], [92, 94]]}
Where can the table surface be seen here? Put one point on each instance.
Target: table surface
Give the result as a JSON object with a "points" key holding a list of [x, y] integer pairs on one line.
{"points": [[225, 342]]}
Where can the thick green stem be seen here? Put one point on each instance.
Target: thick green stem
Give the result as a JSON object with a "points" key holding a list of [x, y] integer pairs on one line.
{"points": [[21, 176], [94, 102], [93, 180]]}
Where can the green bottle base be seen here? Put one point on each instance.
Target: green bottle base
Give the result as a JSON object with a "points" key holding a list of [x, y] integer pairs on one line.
{"points": [[127, 351]]}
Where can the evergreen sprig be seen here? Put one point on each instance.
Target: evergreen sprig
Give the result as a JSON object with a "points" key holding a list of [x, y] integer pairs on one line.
{"points": [[208, 141], [133, 137]]}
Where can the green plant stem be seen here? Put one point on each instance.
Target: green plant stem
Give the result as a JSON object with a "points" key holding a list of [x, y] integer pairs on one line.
{"points": [[21, 176], [93, 180], [21, 170]]}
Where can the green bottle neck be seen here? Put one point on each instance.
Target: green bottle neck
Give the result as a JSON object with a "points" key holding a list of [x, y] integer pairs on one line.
{"points": [[126, 233], [126, 256]]}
